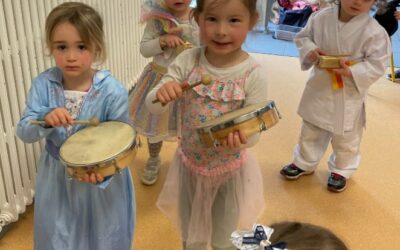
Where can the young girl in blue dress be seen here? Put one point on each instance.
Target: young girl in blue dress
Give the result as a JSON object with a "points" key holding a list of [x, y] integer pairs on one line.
{"points": [[69, 213]]}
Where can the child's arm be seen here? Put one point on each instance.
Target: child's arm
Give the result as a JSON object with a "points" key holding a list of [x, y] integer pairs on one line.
{"points": [[377, 53], [58, 117], [166, 91], [172, 39], [37, 107], [150, 44], [397, 15], [177, 73], [169, 92], [256, 87], [256, 90], [116, 103], [306, 45], [153, 43]]}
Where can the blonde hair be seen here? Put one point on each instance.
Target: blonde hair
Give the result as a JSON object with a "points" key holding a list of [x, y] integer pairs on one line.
{"points": [[86, 20]]}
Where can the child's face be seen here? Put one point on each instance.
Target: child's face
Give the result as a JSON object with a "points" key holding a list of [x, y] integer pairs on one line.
{"points": [[224, 26], [70, 53], [352, 8], [177, 6]]}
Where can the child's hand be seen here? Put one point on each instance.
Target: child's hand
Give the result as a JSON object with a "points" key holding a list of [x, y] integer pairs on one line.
{"points": [[168, 92], [344, 70], [234, 140], [92, 178], [314, 54], [175, 31], [58, 117], [170, 41], [397, 15]]}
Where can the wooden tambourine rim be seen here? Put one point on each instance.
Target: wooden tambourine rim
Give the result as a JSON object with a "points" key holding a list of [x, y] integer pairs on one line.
{"points": [[105, 169], [264, 108], [254, 123]]}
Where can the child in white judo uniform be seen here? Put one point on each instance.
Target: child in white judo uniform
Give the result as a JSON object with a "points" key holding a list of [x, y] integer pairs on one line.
{"points": [[333, 102]]}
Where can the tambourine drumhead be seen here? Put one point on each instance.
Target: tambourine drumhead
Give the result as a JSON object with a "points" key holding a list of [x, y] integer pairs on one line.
{"points": [[97, 144], [236, 116]]}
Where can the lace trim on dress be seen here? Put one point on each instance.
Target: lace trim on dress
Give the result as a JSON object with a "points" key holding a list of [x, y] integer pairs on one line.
{"points": [[204, 170]]}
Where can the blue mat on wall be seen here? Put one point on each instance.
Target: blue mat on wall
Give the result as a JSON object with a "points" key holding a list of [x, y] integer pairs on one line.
{"points": [[260, 42]]}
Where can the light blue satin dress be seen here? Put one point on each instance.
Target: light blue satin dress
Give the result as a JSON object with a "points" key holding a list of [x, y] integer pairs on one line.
{"points": [[71, 215]]}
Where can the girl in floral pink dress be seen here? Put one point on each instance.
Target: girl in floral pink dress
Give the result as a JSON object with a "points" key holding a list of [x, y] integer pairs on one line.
{"points": [[209, 192]]}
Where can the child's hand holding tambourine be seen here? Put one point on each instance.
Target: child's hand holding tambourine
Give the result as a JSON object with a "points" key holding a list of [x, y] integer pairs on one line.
{"points": [[234, 139]]}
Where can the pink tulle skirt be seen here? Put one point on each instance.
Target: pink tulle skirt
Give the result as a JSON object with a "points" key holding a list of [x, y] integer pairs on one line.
{"points": [[208, 209]]}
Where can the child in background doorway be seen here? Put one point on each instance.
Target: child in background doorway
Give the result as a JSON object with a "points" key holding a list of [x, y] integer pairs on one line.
{"points": [[169, 30], [333, 102], [208, 192], [71, 214]]}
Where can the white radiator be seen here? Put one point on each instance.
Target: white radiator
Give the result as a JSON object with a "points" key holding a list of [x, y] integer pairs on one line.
{"points": [[23, 55]]}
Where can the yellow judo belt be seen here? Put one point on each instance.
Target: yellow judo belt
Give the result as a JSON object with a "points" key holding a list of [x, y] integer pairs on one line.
{"points": [[337, 80], [333, 62]]}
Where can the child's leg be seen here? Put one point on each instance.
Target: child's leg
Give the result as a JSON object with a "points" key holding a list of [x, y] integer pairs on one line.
{"points": [[225, 216], [185, 208], [312, 146], [150, 173], [346, 153], [225, 248], [154, 148], [197, 246]]}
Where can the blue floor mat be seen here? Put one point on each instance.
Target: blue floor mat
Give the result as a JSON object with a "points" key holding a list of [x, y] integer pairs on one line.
{"points": [[264, 43]]}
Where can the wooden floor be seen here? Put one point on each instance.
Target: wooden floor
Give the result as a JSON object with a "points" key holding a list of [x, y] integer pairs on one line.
{"points": [[366, 215]]}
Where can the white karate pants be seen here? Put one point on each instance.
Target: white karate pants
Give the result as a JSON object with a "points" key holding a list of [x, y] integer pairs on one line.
{"points": [[314, 141]]}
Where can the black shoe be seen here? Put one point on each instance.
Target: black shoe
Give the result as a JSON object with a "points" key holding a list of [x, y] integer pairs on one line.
{"points": [[292, 172], [336, 183]]}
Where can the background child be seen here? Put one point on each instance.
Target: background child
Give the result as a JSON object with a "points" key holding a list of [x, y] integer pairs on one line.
{"points": [[169, 30], [208, 191], [70, 214], [388, 16], [287, 235], [305, 236], [397, 17], [333, 102]]}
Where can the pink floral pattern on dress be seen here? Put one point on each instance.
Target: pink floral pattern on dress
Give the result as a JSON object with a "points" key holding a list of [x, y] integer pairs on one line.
{"points": [[201, 104], [223, 91]]}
